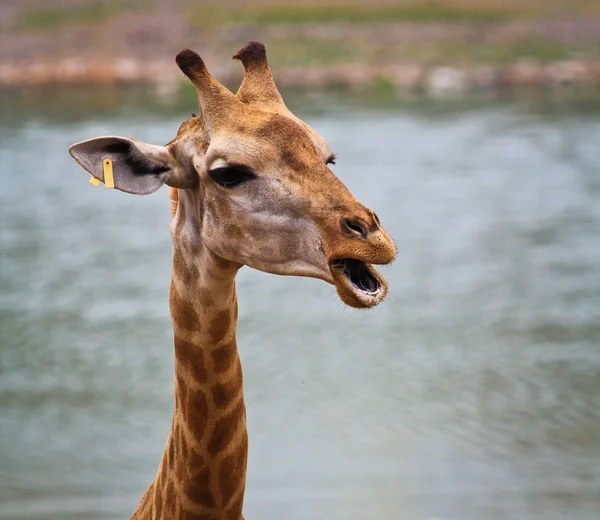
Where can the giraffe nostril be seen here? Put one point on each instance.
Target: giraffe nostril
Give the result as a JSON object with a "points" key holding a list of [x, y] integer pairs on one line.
{"points": [[354, 226]]}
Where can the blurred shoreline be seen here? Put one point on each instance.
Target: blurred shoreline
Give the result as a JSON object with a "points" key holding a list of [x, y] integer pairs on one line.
{"points": [[67, 44], [403, 77]]}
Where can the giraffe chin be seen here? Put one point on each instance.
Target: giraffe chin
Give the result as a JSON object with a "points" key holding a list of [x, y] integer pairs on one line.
{"points": [[358, 283]]}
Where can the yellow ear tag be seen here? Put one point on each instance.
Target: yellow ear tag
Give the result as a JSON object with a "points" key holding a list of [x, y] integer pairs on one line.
{"points": [[94, 181], [109, 180]]}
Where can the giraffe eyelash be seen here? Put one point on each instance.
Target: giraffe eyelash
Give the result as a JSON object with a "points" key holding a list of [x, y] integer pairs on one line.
{"points": [[332, 158]]}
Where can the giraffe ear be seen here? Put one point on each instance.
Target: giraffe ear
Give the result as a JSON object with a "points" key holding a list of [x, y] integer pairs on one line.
{"points": [[138, 167]]}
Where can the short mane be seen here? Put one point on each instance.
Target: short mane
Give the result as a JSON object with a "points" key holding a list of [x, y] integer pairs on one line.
{"points": [[174, 196]]}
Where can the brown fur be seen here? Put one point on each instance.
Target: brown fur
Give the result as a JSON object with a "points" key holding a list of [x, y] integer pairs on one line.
{"points": [[253, 54], [174, 198]]}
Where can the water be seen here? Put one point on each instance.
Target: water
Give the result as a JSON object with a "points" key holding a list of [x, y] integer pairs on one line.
{"points": [[473, 392]]}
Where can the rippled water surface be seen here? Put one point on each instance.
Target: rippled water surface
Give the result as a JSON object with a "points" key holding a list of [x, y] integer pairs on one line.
{"points": [[473, 392]]}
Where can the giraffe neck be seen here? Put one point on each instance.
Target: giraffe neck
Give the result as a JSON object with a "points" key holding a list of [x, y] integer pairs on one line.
{"points": [[203, 469]]}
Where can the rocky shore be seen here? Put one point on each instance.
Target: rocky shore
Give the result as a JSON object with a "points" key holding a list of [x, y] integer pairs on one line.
{"points": [[403, 77]]}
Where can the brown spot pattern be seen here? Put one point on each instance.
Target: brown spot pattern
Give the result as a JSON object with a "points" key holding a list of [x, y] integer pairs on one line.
{"points": [[223, 357], [171, 453], [183, 312], [282, 131], [231, 230], [289, 157], [225, 429], [225, 393], [184, 272], [198, 488], [231, 473], [191, 357], [220, 326], [198, 413], [184, 449], [171, 496], [205, 297], [224, 212], [158, 504], [235, 508], [181, 393]]}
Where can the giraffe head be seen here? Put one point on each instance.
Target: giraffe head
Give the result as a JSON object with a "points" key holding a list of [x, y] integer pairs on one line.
{"points": [[254, 184]]}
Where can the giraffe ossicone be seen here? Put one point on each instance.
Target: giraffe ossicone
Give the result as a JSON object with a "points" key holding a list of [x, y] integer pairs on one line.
{"points": [[251, 186]]}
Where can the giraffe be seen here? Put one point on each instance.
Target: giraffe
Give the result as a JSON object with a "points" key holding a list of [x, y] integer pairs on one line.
{"points": [[250, 185]]}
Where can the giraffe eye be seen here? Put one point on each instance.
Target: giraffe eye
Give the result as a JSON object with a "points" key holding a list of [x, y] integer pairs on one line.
{"points": [[230, 176]]}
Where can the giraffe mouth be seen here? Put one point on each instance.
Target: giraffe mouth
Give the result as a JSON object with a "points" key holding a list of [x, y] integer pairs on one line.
{"points": [[357, 282]]}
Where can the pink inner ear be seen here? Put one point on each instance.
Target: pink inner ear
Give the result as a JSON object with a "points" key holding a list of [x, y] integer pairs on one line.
{"points": [[130, 181], [133, 171]]}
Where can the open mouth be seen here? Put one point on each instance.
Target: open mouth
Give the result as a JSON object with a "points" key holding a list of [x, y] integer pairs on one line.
{"points": [[358, 274], [357, 282]]}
